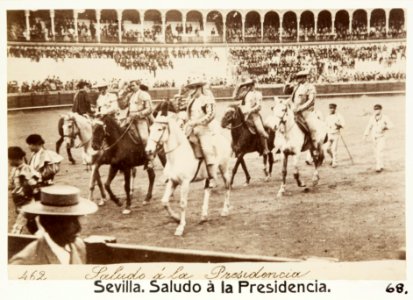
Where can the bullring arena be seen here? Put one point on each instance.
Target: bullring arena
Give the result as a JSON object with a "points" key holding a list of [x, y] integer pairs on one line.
{"points": [[357, 58]]}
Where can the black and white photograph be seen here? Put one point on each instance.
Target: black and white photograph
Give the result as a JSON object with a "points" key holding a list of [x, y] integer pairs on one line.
{"points": [[178, 134]]}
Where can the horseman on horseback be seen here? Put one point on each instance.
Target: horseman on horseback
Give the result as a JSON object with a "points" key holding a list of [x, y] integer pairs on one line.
{"points": [[200, 125], [107, 103], [250, 105], [303, 101], [140, 112], [81, 101]]}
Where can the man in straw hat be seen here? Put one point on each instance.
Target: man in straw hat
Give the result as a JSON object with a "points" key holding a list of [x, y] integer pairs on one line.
{"points": [[201, 113], [377, 126], [140, 112], [59, 210], [251, 100], [107, 103], [303, 100]]}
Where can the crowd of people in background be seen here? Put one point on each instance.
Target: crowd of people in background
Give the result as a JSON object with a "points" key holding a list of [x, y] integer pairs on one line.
{"points": [[54, 84], [270, 65], [329, 63]]}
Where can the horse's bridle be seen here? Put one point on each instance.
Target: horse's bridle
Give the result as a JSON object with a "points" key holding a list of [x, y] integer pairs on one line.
{"points": [[236, 126], [282, 118], [118, 139], [158, 144]]}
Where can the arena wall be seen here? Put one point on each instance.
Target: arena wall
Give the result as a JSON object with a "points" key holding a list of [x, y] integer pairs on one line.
{"points": [[65, 98]]}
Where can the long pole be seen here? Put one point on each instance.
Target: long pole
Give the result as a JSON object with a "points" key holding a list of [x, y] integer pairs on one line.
{"points": [[348, 151]]}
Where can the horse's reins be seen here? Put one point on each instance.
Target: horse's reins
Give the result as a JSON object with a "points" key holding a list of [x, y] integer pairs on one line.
{"points": [[118, 139], [236, 126]]}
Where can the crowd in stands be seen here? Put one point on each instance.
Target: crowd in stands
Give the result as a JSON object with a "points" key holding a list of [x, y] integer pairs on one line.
{"points": [[127, 57], [328, 63]]}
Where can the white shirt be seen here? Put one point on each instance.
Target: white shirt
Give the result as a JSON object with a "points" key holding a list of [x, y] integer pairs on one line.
{"points": [[107, 103], [332, 120], [378, 125], [63, 254]]}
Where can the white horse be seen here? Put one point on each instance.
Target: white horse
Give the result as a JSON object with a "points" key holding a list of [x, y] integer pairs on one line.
{"points": [[75, 125], [290, 140], [183, 167]]}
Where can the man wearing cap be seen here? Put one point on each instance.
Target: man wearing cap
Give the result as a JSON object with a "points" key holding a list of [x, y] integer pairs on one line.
{"points": [[303, 101], [251, 100], [377, 126], [335, 122], [201, 113], [81, 103], [140, 112], [107, 103], [59, 210]]}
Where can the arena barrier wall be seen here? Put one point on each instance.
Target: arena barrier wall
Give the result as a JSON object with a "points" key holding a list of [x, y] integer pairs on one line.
{"points": [[16, 102], [105, 250]]}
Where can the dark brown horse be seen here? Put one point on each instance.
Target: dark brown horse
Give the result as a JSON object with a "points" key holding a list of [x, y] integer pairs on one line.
{"points": [[122, 152], [243, 141]]}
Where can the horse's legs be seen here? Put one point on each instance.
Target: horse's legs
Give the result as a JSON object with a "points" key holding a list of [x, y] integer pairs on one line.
{"points": [[265, 159], [69, 153], [284, 174], [132, 180], [151, 176], [318, 160], [92, 181], [205, 203], [270, 162], [225, 176], [240, 158], [112, 173], [296, 171], [169, 190], [127, 176], [98, 179], [183, 203]]}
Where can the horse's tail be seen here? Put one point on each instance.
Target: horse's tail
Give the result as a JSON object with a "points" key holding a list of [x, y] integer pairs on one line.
{"points": [[271, 137], [318, 160]]}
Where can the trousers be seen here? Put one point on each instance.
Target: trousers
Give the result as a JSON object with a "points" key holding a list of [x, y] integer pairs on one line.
{"points": [[379, 144], [332, 146], [205, 137]]}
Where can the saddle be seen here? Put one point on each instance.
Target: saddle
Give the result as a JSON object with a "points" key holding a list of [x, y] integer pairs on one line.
{"points": [[251, 126]]}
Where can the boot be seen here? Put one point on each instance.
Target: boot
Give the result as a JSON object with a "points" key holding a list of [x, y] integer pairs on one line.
{"points": [[211, 176]]}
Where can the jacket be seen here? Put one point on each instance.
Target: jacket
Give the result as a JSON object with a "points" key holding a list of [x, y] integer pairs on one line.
{"points": [[40, 253]]}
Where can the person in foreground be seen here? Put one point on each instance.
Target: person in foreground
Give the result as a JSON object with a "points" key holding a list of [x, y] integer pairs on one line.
{"points": [[59, 209]]}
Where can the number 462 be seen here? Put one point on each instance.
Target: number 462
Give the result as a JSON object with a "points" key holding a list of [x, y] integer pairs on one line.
{"points": [[399, 288]]}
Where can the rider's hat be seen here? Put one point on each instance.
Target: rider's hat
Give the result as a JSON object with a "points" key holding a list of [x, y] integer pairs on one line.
{"points": [[194, 82], [100, 84], [302, 73], [245, 81], [377, 106]]}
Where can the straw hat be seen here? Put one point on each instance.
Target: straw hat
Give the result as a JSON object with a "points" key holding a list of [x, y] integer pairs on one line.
{"points": [[100, 84], [60, 200], [302, 73], [195, 82]]}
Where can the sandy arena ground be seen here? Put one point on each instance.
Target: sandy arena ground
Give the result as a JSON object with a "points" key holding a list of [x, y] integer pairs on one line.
{"points": [[353, 214]]}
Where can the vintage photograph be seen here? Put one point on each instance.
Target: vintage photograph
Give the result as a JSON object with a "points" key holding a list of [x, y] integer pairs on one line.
{"points": [[206, 135]]}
